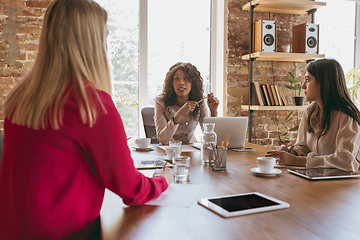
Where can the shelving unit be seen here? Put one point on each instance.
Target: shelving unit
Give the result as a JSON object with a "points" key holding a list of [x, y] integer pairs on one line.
{"points": [[276, 6], [267, 108], [284, 6], [281, 56]]}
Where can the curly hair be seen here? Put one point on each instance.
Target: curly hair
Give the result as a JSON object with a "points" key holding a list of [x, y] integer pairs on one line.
{"points": [[191, 72]]}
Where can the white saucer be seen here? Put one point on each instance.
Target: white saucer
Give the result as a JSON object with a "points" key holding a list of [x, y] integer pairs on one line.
{"points": [[143, 149], [273, 172]]}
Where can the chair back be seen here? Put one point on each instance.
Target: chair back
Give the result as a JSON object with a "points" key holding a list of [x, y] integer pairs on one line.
{"points": [[147, 114]]}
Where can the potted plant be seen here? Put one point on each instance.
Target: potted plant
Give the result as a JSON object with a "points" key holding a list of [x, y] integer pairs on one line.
{"points": [[283, 132], [296, 86], [353, 78]]}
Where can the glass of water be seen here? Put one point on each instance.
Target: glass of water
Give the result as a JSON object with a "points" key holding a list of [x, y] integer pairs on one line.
{"points": [[181, 169], [176, 144]]}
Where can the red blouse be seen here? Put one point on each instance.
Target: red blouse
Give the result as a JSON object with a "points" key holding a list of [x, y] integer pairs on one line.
{"points": [[52, 182]]}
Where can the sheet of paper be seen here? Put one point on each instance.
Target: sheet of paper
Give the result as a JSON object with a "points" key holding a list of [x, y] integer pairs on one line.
{"points": [[177, 195], [184, 148]]}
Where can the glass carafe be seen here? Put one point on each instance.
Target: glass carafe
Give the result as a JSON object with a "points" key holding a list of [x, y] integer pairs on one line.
{"points": [[208, 141]]}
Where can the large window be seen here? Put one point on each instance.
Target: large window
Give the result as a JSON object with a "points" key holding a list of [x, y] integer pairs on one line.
{"points": [[337, 28], [173, 31]]}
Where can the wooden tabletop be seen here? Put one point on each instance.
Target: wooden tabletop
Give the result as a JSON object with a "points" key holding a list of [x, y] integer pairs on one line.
{"points": [[325, 209]]}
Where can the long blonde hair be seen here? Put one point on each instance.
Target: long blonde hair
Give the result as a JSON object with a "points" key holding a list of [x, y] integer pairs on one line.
{"points": [[72, 48]]}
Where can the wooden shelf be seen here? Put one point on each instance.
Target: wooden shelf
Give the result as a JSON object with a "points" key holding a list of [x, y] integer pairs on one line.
{"points": [[266, 108], [281, 56], [284, 6]]}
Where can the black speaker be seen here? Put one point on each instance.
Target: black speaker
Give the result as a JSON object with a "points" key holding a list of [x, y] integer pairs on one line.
{"points": [[264, 36], [306, 38]]}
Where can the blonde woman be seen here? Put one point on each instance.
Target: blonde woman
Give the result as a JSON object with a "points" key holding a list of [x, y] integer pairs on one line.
{"points": [[64, 141]]}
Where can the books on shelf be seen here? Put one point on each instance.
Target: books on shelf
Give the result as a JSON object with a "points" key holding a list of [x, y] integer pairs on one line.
{"points": [[278, 95], [282, 95], [258, 98], [266, 94], [270, 94]]}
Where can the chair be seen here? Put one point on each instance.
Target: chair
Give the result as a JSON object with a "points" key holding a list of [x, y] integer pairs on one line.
{"points": [[147, 114]]}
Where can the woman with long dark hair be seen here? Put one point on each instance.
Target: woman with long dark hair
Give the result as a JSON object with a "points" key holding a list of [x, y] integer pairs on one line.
{"points": [[177, 111], [329, 132]]}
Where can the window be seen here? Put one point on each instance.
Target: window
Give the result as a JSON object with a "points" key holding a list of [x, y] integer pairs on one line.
{"points": [[170, 31], [337, 31]]}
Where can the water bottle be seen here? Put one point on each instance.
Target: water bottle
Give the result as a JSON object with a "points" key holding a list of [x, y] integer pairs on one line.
{"points": [[208, 140]]}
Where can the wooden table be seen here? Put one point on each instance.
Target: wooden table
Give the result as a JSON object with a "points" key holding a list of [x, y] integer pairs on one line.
{"points": [[326, 209]]}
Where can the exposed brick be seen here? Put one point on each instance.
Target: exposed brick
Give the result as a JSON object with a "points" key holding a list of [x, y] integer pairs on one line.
{"points": [[37, 4], [31, 30]]}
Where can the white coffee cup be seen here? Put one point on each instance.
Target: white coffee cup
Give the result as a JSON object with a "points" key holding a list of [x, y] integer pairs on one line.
{"points": [[143, 142], [171, 152], [266, 164]]}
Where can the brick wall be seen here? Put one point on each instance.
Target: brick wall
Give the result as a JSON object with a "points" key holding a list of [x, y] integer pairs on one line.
{"points": [[21, 25], [237, 70], [19, 36]]}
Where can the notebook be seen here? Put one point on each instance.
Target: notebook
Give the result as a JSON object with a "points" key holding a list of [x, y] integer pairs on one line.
{"points": [[234, 127]]}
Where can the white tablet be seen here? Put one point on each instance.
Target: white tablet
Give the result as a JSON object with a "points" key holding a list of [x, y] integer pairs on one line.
{"points": [[241, 204], [323, 173]]}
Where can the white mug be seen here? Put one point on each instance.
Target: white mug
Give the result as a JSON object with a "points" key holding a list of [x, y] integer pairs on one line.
{"points": [[143, 142], [266, 164]]}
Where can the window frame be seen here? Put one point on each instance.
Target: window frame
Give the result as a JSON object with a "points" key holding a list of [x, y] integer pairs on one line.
{"points": [[217, 60]]}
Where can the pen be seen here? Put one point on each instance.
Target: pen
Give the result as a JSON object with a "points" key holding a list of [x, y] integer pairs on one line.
{"points": [[286, 147], [202, 99], [164, 165], [226, 141]]}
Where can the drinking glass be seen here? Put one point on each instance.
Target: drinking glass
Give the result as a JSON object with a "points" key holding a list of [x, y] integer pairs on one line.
{"points": [[181, 169]]}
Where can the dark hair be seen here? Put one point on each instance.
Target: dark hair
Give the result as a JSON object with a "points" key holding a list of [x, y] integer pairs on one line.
{"points": [[330, 77], [191, 72]]}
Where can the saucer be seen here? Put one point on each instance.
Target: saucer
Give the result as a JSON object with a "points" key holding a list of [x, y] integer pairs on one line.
{"points": [[275, 171], [150, 148]]}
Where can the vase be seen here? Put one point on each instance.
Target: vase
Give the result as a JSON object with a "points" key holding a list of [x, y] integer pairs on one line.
{"points": [[299, 101]]}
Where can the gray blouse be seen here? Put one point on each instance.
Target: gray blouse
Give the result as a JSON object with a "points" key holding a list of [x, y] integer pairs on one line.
{"points": [[166, 130]]}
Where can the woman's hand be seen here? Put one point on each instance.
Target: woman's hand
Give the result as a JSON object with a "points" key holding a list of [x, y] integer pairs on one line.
{"points": [[166, 173], [213, 104], [189, 106], [286, 158]]}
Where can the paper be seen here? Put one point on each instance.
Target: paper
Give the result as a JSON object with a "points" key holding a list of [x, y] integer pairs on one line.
{"points": [[177, 195], [184, 148]]}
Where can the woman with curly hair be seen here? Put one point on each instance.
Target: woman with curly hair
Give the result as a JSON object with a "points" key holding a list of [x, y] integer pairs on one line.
{"points": [[177, 111], [329, 132]]}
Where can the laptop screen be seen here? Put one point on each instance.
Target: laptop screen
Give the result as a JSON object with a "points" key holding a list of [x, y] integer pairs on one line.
{"points": [[234, 127]]}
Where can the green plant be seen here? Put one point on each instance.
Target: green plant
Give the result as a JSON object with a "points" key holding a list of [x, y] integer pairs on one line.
{"points": [[283, 132], [295, 85], [353, 78]]}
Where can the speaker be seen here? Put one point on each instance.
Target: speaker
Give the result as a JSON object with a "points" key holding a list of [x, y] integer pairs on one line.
{"points": [[264, 36], [306, 38]]}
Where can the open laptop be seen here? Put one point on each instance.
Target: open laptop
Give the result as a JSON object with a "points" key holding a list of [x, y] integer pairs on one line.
{"points": [[234, 127]]}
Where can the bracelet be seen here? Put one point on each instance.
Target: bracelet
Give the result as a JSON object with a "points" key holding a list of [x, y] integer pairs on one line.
{"points": [[174, 120]]}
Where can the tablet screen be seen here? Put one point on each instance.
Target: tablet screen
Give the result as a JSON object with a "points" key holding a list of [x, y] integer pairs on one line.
{"points": [[323, 173], [242, 202]]}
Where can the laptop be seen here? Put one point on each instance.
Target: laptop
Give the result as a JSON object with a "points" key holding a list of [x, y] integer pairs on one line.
{"points": [[234, 127]]}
